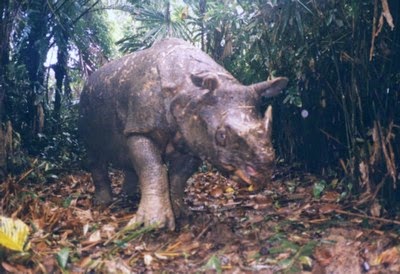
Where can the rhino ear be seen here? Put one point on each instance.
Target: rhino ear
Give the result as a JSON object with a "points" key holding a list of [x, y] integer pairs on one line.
{"points": [[270, 88], [208, 81]]}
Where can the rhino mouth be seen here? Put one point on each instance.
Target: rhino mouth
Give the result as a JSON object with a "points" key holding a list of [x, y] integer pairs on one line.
{"points": [[246, 174], [243, 176], [250, 176]]}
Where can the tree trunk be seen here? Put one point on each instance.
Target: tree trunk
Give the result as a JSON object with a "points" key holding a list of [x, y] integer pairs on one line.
{"points": [[5, 30], [34, 55], [203, 9]]}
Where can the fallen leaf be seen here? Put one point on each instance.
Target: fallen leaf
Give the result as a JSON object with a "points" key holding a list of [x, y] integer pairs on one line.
{"points": [[229, 190], [117, 266], [216, 192], [376, 209], [327, 208], [94, 237], [13, 233], [62, 257], [15, 268], [148, 259], [213, 263], [389, 256], [330, 196], [323, 256]]}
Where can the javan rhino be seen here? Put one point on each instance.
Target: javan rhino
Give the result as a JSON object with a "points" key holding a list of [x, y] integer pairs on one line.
{"points": [[158, 112]]}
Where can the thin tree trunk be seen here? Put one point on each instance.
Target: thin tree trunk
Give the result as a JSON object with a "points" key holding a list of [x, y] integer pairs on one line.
{"points": [[168, 18], [34, 55], [203, 8], [5, 30]]}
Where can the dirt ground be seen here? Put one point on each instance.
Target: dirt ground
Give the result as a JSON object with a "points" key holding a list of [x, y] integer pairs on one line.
{"points": [[299, 223]]}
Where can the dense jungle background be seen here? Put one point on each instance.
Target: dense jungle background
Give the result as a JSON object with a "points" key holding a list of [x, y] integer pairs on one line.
{"points": [[339, 117]]}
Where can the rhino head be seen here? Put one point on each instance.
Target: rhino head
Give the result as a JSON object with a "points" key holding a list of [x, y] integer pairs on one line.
{"points": [[222, 123]]}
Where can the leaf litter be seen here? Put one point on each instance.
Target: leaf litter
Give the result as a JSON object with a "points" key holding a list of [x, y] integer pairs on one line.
{"points": [[298, 223]]}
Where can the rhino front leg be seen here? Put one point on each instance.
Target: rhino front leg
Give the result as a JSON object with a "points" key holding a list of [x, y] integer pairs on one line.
{"points": [[181, 167], [155, 206]]}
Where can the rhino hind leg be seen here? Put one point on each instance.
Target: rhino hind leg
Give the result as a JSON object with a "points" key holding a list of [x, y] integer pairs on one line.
{"points": [[155, 206], [102, 183], [181, 167], [130, 185]]}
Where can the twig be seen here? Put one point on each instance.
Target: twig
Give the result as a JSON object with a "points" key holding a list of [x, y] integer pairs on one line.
{"points": [[372, 49], [329, 136], [367, 217], [25, 175], [386, 13], [204, 230]]}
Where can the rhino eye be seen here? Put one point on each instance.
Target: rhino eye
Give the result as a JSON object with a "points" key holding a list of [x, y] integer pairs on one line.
{"points": [[220, 137]]}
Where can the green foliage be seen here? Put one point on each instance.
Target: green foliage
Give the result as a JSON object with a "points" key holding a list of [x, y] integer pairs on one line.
{"points": [[154, 20], [319, 188], [40, 97], [213, 263], [299, 254], [62, 257], [62, 148]]}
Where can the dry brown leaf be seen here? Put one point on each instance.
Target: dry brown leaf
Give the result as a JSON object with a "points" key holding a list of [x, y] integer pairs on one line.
{"points": [[117, 266], [323, 256], [185, 237], [64, 236], [283, 256], [41, 246], [251, 255], [94, 238], [327, 208], [50, 264], [84, 216], [364, 173], [108, 231], [16, 268], [147, 259], [330, 196], [389, 256], [216, 192], [255, 218], [376, 209], [85, 262]]}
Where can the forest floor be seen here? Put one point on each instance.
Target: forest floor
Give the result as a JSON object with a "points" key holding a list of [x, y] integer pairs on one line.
{"points": [[299, 223]]}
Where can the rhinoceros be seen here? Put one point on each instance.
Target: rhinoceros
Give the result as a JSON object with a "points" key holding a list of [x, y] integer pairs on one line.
{"points": [[157, 113]]}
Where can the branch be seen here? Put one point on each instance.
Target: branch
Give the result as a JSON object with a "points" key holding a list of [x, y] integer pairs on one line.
{"points": [[386, 13], [85, 12], [367, 217], [372, 49]]}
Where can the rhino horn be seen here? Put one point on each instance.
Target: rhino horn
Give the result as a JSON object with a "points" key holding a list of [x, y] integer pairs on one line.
{"points": [[270, 88], [267, 122]]}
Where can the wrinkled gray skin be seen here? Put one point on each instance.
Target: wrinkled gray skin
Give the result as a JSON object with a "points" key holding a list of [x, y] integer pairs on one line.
{"points": [[158, 112]]}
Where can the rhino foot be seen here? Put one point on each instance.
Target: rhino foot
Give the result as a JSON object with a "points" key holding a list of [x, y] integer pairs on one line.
{"points": [[154, 211], [180, 209], [102, 197]]}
